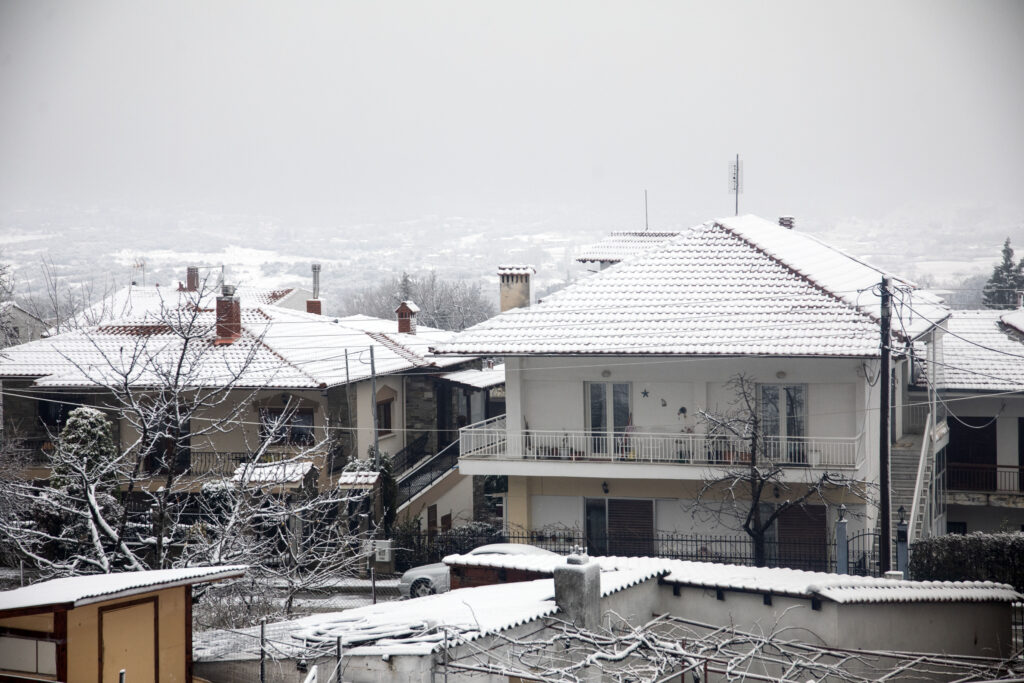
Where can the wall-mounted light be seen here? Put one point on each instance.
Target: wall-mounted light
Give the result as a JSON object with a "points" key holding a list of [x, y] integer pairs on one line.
{"points": [[902, 512], [842, 512], [781, 374], [604, 486], [606, 373], [776, 491], [664, 403]]}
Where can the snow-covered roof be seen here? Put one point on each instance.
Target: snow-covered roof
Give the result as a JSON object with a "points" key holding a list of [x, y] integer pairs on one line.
{"points": [[410, 627], [272, 472], [138, 301], [13, 305], [838, 588], [735, 286], [622, 244], [83, 590], [358, 478], [478, 379], [278, 348], [984, 351]]}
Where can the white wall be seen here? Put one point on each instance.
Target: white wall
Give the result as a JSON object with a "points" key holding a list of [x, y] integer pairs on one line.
{"points": [[365, 409]]}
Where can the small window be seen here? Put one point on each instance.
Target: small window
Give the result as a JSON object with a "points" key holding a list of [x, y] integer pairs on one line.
{"points": [[384, 411], [294, 429]]}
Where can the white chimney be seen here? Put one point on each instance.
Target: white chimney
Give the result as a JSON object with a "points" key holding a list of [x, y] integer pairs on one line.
{"points": [[578, 591]]}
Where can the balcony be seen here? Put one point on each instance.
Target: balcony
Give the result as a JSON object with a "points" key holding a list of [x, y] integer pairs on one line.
{"points": [[491, 441], [972, 484]]}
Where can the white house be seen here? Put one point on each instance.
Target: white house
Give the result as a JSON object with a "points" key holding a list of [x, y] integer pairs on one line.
{"points": [[609, 379], [981, 383]]}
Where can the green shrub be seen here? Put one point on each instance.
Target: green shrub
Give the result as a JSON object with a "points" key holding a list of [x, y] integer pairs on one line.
{"points": [[970, 557]]}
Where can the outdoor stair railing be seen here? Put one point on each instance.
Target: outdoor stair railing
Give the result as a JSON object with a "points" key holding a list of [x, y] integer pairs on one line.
{"points": [[428, 472]]}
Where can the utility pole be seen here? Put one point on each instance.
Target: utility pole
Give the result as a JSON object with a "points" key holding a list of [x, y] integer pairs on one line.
{"points": [[885, 544]]}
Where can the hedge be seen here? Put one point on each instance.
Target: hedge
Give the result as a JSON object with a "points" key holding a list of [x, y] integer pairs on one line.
{"points": [[970, 557]]}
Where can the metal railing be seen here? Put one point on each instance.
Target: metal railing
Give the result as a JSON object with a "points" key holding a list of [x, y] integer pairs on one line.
{"points": [[427, 473], [32, 450], [424, 548], [490, 440], [410, 455], [986, 478], [921, 497]]}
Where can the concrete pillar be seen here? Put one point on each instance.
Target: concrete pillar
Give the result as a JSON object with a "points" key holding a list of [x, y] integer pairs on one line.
{"points": [[842, 544], [578, 591], [517, 511]]}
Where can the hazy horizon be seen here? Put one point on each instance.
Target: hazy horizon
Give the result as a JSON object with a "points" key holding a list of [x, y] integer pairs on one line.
{"points": [[338, 112]]}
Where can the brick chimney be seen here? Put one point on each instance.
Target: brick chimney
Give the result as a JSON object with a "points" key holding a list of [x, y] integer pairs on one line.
{"points": [[788, 222], [406, 312], [192, 279], [514, 286], [229, 316], [313, 305]]}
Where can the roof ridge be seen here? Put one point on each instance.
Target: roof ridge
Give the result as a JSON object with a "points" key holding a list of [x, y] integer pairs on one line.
{"points": [[398, 348]]}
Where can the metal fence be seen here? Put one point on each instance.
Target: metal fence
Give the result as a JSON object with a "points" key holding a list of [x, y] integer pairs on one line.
{"points": [[412, 549]]}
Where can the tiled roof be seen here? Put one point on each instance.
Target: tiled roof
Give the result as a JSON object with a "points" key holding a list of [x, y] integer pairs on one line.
{"points": [[622, 244], [835, 587], [981, 352], [740, 286], [279, 348], [137, 301], [410, 627], [84, 590]]}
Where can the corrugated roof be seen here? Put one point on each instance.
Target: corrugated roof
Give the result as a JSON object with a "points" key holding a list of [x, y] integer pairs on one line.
{"points": [[83, 590], [478, 379], [835, 587], [409, 627], [740, 286], [279, 348], [982, 352]]}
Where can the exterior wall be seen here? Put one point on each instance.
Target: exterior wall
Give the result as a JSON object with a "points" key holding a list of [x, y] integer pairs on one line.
{"points": [[986, 518], [452, 495], [421, 408], [83, 637], [557, 502], [42, 623], [366, 407], [1007, 410]]}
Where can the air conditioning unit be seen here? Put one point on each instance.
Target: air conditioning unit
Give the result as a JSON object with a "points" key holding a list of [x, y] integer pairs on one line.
{"points": [[383, 551]]}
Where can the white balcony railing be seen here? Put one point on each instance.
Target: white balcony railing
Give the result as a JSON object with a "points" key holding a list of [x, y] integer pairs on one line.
{"points": [[490, 439]]}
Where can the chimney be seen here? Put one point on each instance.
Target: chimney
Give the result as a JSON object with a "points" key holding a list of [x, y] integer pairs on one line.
{"points": [[229, 316], [578, 591], [406, 312], [514, 286], [192, 279], [313, 305], [787, 222]]}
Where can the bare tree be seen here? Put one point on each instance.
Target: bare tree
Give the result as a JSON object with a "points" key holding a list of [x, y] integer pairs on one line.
{"points": [[445, 304], [142, 504], [736, 491]]}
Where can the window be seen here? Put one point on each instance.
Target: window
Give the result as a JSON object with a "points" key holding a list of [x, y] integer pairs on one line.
{"points": [[291, 427], [385, 410], [609, 414], [783, 414]]}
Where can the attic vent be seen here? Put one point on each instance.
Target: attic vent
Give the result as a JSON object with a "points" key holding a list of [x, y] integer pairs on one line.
{"points": [[787, 222]]}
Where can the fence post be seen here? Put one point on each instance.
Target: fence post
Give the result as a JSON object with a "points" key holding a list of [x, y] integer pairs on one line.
{"points": [[263, 650], [842, 544], [373, 585], [338, 679], [901, 543]]}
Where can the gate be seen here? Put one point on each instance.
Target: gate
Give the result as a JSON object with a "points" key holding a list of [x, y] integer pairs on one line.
{"points": [[862, 551]]}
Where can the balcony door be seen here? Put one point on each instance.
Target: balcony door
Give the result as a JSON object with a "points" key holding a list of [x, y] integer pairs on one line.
{"points": [[609, 412], [783, 414]]}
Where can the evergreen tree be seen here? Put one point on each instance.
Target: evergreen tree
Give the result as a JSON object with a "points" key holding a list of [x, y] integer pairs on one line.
{"points": [[1007, 279], [85, 447]]}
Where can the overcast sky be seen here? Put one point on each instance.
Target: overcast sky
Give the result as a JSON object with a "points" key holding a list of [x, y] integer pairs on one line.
{"points": [[328, 109]]}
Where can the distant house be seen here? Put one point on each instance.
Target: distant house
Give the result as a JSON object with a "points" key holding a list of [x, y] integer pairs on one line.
{"points": [[91, 628], [980, 381], [18, 325], [608, 378], [623, 244], [340, 385]]}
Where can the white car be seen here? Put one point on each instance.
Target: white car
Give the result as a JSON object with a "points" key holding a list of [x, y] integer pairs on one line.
{"points": [[435, 578]]}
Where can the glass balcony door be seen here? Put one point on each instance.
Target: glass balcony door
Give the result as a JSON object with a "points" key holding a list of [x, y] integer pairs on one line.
{"points": [[609, 414], [783, 415]]}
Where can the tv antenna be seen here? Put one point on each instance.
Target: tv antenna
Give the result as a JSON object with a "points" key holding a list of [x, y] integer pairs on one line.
{"points": [[736, 180], [140, 264], [646, 224]]}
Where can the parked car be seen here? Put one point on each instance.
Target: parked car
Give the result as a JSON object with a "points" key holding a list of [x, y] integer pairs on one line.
{"points": [[435, 578]]}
